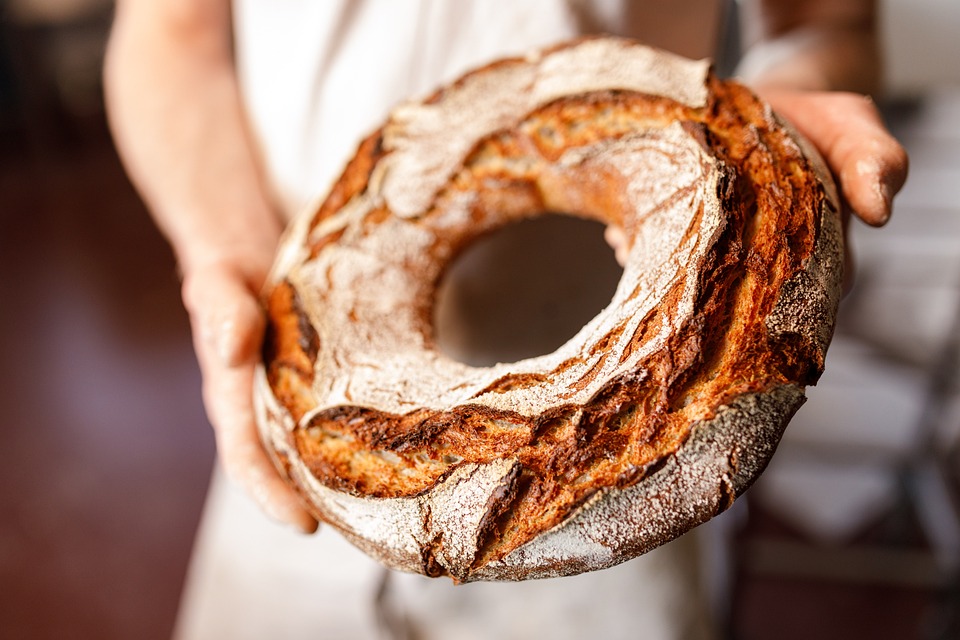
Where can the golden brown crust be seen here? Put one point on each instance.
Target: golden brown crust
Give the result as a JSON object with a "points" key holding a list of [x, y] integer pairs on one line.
{"points": [[664, 400]]}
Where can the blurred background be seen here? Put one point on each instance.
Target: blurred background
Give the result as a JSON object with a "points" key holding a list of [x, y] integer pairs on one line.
{"points": [[105, 452]]}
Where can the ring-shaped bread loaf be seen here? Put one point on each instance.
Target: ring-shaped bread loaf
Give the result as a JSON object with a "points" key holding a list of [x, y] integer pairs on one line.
{"points": [[649, 421]]}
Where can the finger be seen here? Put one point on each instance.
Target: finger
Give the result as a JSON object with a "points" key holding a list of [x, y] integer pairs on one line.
{"points": [[617, 239], [228, 328], [869, 163], [227, 394], [224, 314]]}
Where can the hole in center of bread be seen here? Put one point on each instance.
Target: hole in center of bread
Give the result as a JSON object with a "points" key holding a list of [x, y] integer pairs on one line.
{"points": [[524, 290]]}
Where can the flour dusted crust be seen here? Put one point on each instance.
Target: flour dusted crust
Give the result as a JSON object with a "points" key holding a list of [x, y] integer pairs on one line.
{"points": [[650, 420]]}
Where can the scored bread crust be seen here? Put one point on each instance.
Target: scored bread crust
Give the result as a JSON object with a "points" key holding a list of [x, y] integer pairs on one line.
{"points": [[650, 420]]}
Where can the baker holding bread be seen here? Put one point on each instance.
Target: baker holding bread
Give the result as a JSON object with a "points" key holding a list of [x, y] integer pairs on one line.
{"points": [[233, 118]]}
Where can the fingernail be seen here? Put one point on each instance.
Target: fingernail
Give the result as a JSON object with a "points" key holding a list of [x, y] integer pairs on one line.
{"points": [[885, 192]]}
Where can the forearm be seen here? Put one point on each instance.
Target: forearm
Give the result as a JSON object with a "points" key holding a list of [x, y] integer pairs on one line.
{"points": [[825, 45], [175, 110]]}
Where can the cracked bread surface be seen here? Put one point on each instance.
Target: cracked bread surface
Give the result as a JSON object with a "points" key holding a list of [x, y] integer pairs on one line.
{"points": [[650, 420]]}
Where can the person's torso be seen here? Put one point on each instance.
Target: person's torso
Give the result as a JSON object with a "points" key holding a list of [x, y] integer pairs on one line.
{"points": [[317, 76]]}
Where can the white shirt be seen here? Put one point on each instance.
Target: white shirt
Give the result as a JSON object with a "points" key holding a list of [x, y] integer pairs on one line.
{"points": [[317, 75]]}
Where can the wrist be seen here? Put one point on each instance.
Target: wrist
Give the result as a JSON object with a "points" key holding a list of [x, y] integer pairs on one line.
{"points": [[247, 258], [817, 58]]}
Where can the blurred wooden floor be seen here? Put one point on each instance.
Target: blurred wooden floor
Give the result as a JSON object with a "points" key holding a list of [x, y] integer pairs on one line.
{"points": [[105, 452]]}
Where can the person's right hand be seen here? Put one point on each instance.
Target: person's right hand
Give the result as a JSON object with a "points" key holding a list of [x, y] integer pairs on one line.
{"points": [[221, 296], [175, 109]]}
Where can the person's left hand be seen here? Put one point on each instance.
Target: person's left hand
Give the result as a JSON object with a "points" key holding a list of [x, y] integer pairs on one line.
{"points": [[867, 162], [869, 165]]}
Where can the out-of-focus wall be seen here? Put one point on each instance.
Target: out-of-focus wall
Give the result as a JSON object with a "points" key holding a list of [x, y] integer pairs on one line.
{"points": [[52, 11], [922, 44]]}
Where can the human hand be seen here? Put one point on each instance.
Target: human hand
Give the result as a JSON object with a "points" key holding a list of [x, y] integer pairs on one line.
{"points": [[220, 295], [175, 110], [870, 166]]}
